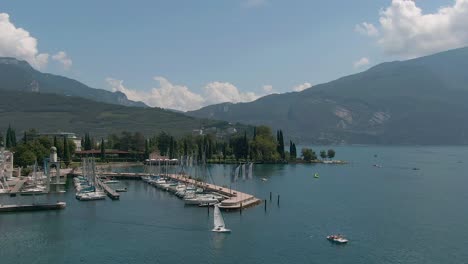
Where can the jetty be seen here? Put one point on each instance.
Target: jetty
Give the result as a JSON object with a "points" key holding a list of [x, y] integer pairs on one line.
{"points": [[235, 199], [109, 191], [32, 207]]}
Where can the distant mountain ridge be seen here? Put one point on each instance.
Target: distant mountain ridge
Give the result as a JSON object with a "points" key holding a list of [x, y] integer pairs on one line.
{"points": [[18, 75], [418, 101], [53, 113]]}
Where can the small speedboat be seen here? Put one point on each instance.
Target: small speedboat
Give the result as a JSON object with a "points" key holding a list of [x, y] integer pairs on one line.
{"points": [[338, 239], [316, 175], [264, 179]]}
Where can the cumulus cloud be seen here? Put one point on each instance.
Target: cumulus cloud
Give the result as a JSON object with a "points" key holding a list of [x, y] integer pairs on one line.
{"points": [[220, 92], [254, 3], [63, 59], [407, 32], [268, 89], [179, 97], [18, 43], [361, 62], [367, 29], [302, 86]]}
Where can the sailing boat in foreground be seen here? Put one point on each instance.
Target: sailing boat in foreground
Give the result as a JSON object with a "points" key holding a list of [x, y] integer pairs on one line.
{"points": [[219, 225]]}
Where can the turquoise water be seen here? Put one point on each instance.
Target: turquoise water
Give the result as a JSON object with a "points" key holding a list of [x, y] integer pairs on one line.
{"points": [[391, 214]]}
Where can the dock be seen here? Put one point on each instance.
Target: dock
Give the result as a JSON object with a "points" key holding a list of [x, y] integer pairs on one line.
{"points": [[236, 200], [109, 191], [31, 207], [18, 186]]}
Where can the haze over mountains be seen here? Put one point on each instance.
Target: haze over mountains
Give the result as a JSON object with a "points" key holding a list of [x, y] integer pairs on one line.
{"points": [[419, 101]]}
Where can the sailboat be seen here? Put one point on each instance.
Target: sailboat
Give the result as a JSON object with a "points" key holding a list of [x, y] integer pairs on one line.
{"points": [[219, 225]]}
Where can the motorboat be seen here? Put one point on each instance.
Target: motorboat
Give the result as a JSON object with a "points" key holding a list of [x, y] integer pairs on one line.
{"points": [[201, 199], [338, 239], [91, 196]]}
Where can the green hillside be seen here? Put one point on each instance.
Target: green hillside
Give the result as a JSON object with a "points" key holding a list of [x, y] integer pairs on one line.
{"points": [[419, 101], [17, 75], [53, 113]]}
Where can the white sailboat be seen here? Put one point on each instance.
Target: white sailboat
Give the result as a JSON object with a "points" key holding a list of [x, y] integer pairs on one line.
{"points": [[219, 225]]}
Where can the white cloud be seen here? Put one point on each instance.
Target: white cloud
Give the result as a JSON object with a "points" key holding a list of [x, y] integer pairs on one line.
{"points": [[63, 58], [302, 86], [254, 3], [179, 97], [219, 92], [361, 62], [18, 43], [367, 29], [405, 31], [268, 89], [173, 96]]}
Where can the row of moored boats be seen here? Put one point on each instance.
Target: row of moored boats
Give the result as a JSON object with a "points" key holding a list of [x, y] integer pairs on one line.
{"points": [[191, 194], [87, 190]]}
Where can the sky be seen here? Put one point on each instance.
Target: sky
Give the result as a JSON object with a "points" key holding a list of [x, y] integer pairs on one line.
{"points": [[186, 54]]}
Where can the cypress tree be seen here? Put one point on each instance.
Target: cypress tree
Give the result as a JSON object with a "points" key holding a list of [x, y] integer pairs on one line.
{"points": [[66, 152], [8, 138], [13, 138], [255, 133], [147, 151], [103, 150], [1, 140]]}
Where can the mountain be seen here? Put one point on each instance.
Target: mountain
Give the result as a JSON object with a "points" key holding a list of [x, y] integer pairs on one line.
{"points": [[54, 113], [17, 75], [418, 101]]}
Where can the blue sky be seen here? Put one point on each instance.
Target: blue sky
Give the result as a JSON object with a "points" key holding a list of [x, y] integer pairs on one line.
{"points": [[254, 46]]}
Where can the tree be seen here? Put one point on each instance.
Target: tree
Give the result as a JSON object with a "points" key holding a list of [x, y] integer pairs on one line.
{"points": [[2, 143], [292, 151], [308, 154], [147, 148], [323, 154], [103, 150], [25, 158], [164, 141], [331, 154], [66, 152], [10, 140], [264, 147], [280, 140]]}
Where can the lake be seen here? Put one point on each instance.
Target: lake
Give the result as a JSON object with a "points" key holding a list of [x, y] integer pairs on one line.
{"points": [[392, 214]]}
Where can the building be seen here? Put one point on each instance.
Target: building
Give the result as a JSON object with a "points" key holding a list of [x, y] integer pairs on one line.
{"points": [[68, 135]]}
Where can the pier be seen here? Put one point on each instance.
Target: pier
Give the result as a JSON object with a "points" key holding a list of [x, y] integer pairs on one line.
{"points": [[235, 199], [109, 191], [32, 207]]}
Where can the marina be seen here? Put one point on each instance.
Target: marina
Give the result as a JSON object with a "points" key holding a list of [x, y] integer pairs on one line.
{"points": [[355, 201]]}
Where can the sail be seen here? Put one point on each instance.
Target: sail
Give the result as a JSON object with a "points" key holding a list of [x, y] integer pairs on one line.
{"points": [[251, 170], [236, 173], [218, 218], [243, 172]]}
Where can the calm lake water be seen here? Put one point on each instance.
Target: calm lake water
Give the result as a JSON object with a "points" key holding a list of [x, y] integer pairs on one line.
{"points": [[392, 214]]}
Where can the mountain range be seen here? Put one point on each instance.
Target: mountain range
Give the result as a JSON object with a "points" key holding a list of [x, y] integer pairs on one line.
{"points": [[52, 103], [417, 101], [18, 75]]}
